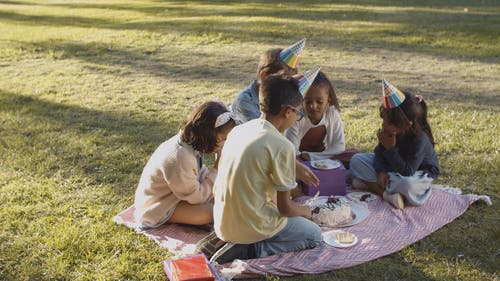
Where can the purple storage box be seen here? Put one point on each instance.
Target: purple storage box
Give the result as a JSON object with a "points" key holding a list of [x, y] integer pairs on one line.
{"points": [[331, 182]]}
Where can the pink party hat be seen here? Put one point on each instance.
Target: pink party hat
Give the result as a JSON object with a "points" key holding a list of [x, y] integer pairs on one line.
{"points": [[306, 79], [391, 96], [290, 55]]}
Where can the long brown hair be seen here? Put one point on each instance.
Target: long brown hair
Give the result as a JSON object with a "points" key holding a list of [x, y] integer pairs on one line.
{"points": [[271, 63], [198, 129], [412, 112]]}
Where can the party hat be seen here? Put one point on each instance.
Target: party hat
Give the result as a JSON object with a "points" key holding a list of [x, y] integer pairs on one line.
{"points": [[290, 55], [306, 79], [391, 96]]}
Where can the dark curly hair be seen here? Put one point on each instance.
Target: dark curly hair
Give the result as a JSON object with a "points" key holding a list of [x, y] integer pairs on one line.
{"points": [[278, 91], [198, 129], [413, 113], [322, 80]]}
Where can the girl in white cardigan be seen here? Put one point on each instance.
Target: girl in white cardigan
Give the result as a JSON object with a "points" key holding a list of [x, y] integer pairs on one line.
{"points": [[175, 185], [321, 134]]}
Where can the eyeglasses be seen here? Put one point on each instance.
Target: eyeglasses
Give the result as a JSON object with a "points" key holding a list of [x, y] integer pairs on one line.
{"points": [[298, 112]]}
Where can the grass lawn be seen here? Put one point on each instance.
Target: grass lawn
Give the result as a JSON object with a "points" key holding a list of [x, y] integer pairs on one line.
{"points": [[89, 88]]}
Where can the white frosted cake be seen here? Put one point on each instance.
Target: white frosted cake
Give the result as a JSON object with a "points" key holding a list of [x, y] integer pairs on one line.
{"points": [[333, 213]]}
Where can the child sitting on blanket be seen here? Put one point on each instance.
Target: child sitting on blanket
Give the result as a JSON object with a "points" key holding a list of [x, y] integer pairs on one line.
{"points": [[246, 103], [258, 164], [404, 163], [273, 61], [175, 186], [320, 135]]}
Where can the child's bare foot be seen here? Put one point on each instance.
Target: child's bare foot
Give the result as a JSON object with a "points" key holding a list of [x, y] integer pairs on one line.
{"points": [[395, 199], [358, 184]]}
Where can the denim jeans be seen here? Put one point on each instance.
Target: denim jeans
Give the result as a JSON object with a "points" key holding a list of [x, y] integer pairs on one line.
{"points": [[415, 188], [298, 234]]}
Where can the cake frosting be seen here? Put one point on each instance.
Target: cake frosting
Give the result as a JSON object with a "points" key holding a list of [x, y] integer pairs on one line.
{"points": [[333, 213]]}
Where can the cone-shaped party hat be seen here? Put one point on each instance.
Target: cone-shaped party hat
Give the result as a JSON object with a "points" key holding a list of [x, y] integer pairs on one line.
{"points": [[306, 79], [290, 55], [391, 96]]}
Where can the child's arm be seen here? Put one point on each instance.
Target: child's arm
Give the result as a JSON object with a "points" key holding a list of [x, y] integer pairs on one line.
{"points": [[305, 174], [378, 162], [245, 106], [187, 184], [289, 208], [408, 165]]}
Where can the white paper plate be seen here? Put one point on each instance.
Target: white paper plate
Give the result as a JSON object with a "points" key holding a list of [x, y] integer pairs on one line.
{"points": [[358, 209], [325, 164], [356, 196], [361, 212], [330, 238]]}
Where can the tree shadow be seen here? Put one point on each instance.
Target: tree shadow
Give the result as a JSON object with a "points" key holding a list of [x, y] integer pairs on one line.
{"points": [[127, 61], [53, 138], [368, 90], [382, 28], [15, 3]]}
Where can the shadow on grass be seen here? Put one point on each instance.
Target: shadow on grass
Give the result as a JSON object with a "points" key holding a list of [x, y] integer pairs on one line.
{"points": [[369, 85], [16, 3], [46, 138], [127, 61], [414, 30], [133, 60]]}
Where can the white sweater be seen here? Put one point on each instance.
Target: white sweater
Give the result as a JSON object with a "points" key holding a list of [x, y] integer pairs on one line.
{"points": [[171, 175], [334, 139]]}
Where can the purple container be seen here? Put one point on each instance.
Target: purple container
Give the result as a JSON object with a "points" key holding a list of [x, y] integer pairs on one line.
{"points": [[331, 182]]}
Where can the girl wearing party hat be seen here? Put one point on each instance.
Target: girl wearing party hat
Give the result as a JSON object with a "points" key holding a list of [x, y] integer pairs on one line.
{"points": [[273, 61], [321, 134], [404, 163]]}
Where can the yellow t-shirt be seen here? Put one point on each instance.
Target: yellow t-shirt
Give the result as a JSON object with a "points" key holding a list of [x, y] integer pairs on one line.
{"points": [[257, 160]]}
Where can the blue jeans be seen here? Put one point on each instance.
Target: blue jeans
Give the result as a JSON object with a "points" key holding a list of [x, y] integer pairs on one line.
{"points": [[298, 234], [415, 188]]}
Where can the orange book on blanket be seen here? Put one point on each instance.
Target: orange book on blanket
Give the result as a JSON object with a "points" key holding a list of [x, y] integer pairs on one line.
{"points": [[192, 269]]}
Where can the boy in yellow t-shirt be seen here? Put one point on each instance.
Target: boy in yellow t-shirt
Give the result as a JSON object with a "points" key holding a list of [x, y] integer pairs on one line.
{"points": [[257, 164]]}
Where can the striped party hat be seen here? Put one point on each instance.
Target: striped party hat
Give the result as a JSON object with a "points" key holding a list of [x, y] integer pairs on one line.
{"points": [[391, 96], [290, 55], [306, 79]]}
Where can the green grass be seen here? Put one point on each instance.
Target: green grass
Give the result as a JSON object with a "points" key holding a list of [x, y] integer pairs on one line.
{"points": [[90, 88]]}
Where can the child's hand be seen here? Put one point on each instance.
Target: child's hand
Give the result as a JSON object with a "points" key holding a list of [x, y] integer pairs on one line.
{"points": [[383, 179], [305, 174], [386, 138], [304, 156]]}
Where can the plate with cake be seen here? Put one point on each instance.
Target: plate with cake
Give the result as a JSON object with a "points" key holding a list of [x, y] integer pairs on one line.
{"points": [[325, 164], [361, 196], [339, 238], [337, 211]]}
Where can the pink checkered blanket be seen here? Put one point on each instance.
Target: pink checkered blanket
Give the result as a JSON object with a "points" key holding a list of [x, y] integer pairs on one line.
{"points": [[385, 231]]}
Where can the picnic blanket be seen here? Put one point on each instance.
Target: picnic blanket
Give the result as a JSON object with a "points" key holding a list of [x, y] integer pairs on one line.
{"points": [[385, 231]]}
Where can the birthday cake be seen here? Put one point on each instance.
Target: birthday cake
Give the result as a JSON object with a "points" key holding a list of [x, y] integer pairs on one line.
{"points": [[333, 212]]}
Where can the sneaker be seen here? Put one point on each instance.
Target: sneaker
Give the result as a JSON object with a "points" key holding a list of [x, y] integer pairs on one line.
{"points": [[220, 255], [395, 199], [209, 244], [358, 184], [230, 251]]}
